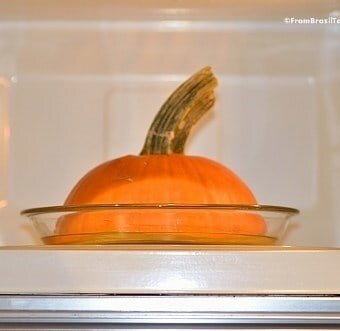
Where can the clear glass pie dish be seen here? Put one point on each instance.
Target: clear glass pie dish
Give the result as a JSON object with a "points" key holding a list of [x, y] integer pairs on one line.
{"points": [[161, 224]]}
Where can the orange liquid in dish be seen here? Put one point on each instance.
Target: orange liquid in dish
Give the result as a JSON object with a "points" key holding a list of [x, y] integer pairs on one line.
{"points": [[108, 238]]}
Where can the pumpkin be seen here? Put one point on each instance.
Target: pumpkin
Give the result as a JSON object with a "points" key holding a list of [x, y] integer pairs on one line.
{"points": [[163, 174]]}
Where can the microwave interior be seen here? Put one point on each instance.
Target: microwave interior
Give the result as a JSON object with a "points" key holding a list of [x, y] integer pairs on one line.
{"points": [[80, 84]]}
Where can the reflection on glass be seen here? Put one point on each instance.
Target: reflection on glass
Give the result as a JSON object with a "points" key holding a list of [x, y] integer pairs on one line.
{"points": [[3, 203]]}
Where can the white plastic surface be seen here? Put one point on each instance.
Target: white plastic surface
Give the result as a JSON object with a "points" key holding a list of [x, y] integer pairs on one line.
{"points": [[150, 269], [77, 92]]}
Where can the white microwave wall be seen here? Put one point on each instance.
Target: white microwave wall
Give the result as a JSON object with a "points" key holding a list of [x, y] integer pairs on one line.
{"points": [[76, 90]]}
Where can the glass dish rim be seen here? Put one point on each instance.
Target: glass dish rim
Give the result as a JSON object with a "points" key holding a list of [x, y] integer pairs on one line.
{"points": [[157, 206]]}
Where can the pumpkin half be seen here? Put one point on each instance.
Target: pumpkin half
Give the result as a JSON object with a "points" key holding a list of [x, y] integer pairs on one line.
{"points": [[163, 174]]}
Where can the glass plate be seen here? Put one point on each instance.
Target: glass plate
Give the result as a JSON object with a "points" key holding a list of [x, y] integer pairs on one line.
{"points": [[161, 224]]}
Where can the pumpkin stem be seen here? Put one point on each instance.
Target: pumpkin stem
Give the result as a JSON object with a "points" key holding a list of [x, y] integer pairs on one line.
{"points": [[185, 106]]}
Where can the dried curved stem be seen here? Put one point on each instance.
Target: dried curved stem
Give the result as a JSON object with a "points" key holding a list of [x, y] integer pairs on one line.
{"points": [[185, 106]]}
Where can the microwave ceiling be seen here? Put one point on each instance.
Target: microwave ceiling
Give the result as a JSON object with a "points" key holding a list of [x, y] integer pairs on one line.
{"points": [[166, 9]]}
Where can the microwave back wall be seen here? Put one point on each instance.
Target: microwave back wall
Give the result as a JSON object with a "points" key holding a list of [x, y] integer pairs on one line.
{"points": [[80, 82]]}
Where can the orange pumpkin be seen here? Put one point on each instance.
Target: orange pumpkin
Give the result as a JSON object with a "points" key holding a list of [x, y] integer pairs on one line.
{"points": [[162, 174]]}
